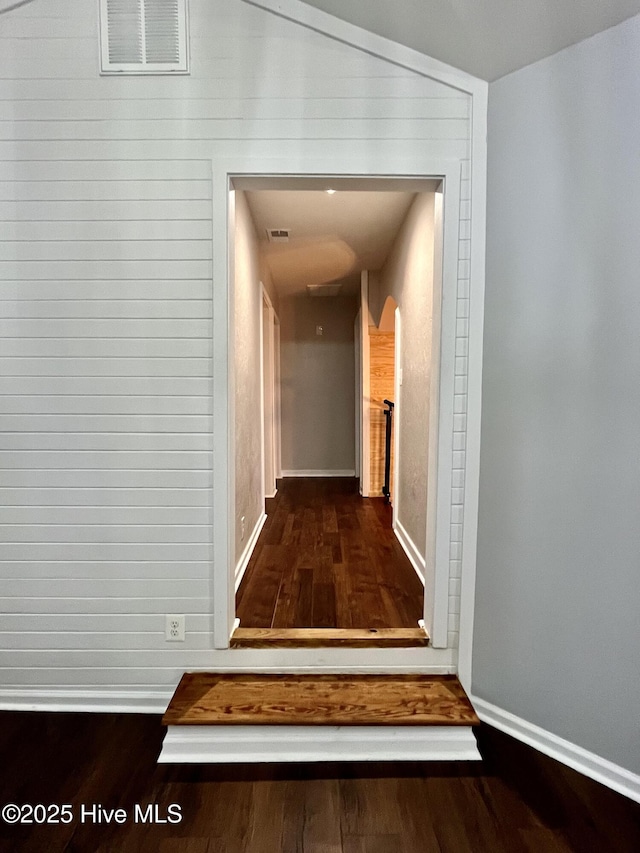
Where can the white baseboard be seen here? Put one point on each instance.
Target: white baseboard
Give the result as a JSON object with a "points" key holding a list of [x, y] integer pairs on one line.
{"points": [[225, 744], [243, 562], [97, 701], [592, 765], [415, 557], [316, 472], [273, 494]]}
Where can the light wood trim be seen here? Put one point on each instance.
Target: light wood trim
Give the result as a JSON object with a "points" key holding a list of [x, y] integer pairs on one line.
{"points": [[381, 369], [205, 698], [365, 440], [313, 638]]}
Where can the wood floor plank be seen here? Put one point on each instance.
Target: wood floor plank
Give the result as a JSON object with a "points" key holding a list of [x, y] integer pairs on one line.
{"points": [[286, 602], [344, 600], [192, 845], [391, 604], [268, 813], [323, 610], [329, 518], [268, 569], [419, 830], [535, 839], [292, 827], [290, 536], [322, 833], [372, 807], [335, 543], [367, 593], [242, 699], [225, 812], [303, 600], [315, 638], [323, 564], [373, 843]]}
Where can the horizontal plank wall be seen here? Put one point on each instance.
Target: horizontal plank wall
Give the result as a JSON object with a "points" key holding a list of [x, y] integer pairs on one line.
{"points": [[105, 314]]}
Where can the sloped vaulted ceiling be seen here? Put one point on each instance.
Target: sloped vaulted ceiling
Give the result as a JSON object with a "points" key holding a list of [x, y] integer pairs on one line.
{"points": [[487, 38]]}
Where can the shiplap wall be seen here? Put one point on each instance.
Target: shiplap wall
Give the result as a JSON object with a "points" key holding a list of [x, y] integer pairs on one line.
{"points": [[105, 331]]}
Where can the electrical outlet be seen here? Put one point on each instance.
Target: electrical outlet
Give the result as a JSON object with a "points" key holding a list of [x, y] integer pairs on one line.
{"points": [[174, 629], [242, 528]]}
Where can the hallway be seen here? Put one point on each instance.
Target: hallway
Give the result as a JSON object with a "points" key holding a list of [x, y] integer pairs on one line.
{"points": [[328, 558]]}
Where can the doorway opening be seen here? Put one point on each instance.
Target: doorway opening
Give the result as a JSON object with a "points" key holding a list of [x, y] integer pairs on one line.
{"points": [[332, 489]]}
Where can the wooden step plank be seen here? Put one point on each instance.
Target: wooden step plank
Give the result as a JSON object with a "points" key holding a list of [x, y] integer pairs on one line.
{"points": [[314, 638], [204, 698]]}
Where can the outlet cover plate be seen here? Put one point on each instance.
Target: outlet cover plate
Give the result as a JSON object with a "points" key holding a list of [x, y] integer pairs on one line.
{"points": [[174, 629]]}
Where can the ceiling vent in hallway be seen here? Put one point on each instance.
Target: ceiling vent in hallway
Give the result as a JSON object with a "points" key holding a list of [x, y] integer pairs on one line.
{"points": [[143, 37], [332, 289], [278, 235]]}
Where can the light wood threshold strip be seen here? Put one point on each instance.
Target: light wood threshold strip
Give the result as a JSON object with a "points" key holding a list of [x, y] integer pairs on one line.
{"points": [[313, 638], [344, 700]]}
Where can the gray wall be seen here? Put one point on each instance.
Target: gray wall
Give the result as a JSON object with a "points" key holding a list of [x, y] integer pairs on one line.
{"points": [[318, 383], [558, 586]]}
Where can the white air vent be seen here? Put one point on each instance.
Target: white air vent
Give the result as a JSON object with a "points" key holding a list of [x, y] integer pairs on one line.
{"points": [[332, 289], [278, 235], [143, 36]]}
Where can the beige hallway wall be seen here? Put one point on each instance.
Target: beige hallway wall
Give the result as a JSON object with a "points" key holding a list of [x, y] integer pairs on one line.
{"points": [[407, 276], [249, 500]]}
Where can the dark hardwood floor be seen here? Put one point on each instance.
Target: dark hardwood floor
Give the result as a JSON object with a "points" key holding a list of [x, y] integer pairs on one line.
{"points": [[327, 558], [515, 800]]}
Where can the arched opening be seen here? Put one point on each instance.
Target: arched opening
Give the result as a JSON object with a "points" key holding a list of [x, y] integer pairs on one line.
{"points": [[382, 388], [387, 317]]}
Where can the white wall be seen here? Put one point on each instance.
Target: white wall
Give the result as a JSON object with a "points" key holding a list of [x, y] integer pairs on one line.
{"points": [[408, 276], [106, 241], [317, 383], [249, 500], [558, 592]]}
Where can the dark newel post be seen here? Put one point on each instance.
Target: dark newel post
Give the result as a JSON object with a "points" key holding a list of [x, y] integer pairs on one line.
{"points": [[388, 413]]}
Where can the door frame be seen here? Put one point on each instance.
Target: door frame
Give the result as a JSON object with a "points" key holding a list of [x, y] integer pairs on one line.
{"points": [[225, 170], [397, 406], [357, 351], [363, 401], [269, 383]]}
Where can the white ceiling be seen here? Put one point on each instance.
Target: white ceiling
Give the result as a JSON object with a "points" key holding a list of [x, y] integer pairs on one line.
{"points": [[487, 38], [332, 237]]}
